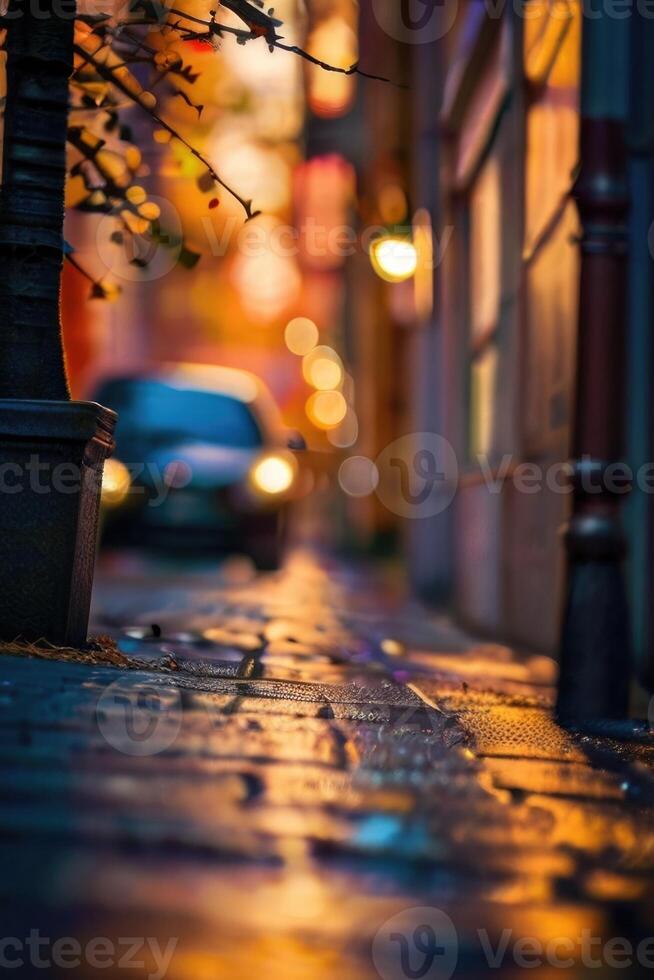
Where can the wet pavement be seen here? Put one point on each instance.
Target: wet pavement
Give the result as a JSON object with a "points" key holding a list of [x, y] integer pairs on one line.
{"points": [[305, 775]]}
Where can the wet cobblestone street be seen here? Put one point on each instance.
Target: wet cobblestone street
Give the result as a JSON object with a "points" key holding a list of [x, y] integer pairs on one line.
{"points": [[307, 776]]}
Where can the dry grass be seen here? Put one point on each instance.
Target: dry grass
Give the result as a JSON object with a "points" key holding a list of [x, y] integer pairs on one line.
{"points": [[100, 650]]}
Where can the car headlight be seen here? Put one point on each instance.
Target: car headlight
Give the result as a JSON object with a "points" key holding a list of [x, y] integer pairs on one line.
{"points": [[273, 474], [116, 481]]}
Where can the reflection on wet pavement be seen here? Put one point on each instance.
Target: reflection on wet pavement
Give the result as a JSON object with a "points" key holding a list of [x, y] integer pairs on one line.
{"points": [[295, 760]]}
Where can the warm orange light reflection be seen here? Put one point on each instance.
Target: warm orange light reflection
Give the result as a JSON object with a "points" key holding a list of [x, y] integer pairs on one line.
{"points": [[333, 41], [116, 482], [267, 283], [256, 171], [324, 187], [552, 44], [392, 203], [423, 282], [483, 376], [486, 247]]}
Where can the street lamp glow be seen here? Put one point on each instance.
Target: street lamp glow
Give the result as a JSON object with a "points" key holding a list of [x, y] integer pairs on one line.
{"points": [[393, 258], [273, 474]]}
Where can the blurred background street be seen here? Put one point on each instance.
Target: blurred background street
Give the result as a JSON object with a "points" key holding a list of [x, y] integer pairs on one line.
{"points": [[408, 295], [313, 734]]}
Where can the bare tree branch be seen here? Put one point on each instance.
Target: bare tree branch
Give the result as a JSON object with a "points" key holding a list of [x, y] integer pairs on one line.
{"points": [[107, 73], [213, 27]]}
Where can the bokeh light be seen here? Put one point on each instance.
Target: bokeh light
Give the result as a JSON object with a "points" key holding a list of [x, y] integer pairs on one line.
{"points": [[274, 474], [346, 433], [116, 481], [257, 171], [393, 258], [334, 42], [392, 204], [301, 335], [322, 368], [358, 476], [267, 283], [326, 409], [325, 374]]}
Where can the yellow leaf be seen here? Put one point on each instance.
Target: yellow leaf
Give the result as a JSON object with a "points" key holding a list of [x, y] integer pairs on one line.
{"points": [[133, 157], [109, 291], [138, 226], [76, 191], [136, 194], [113, 166], [150, 211]]}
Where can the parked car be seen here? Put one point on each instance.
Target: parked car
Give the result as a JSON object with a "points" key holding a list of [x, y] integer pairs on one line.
{"points": [[202, 459]]}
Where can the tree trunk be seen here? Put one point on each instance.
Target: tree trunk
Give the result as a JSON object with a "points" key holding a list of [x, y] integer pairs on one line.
{"points": [[47, 546], [39, 65]]}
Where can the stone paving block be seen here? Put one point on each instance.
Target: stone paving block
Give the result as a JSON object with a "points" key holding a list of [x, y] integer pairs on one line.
{"points": [[543, 776]]}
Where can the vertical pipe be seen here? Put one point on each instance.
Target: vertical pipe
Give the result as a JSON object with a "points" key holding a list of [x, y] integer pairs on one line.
{"points": [[595, 634], [639, 514]]}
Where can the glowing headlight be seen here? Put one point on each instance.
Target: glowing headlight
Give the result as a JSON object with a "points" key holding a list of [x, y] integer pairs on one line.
{"points": [[116, 482], [273, 474]]}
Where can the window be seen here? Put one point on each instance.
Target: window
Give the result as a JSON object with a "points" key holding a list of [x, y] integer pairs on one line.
{"points": [[485, 284], [551, 65]]}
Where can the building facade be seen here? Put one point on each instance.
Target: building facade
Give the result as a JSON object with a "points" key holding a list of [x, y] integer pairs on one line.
{"points": [[490, 362]]}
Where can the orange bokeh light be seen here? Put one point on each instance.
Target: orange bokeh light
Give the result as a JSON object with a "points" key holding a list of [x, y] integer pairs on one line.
{"points": [[326, 409]]}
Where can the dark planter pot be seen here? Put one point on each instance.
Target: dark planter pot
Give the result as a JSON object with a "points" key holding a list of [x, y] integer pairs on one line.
{"points": [[51, 459]]}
